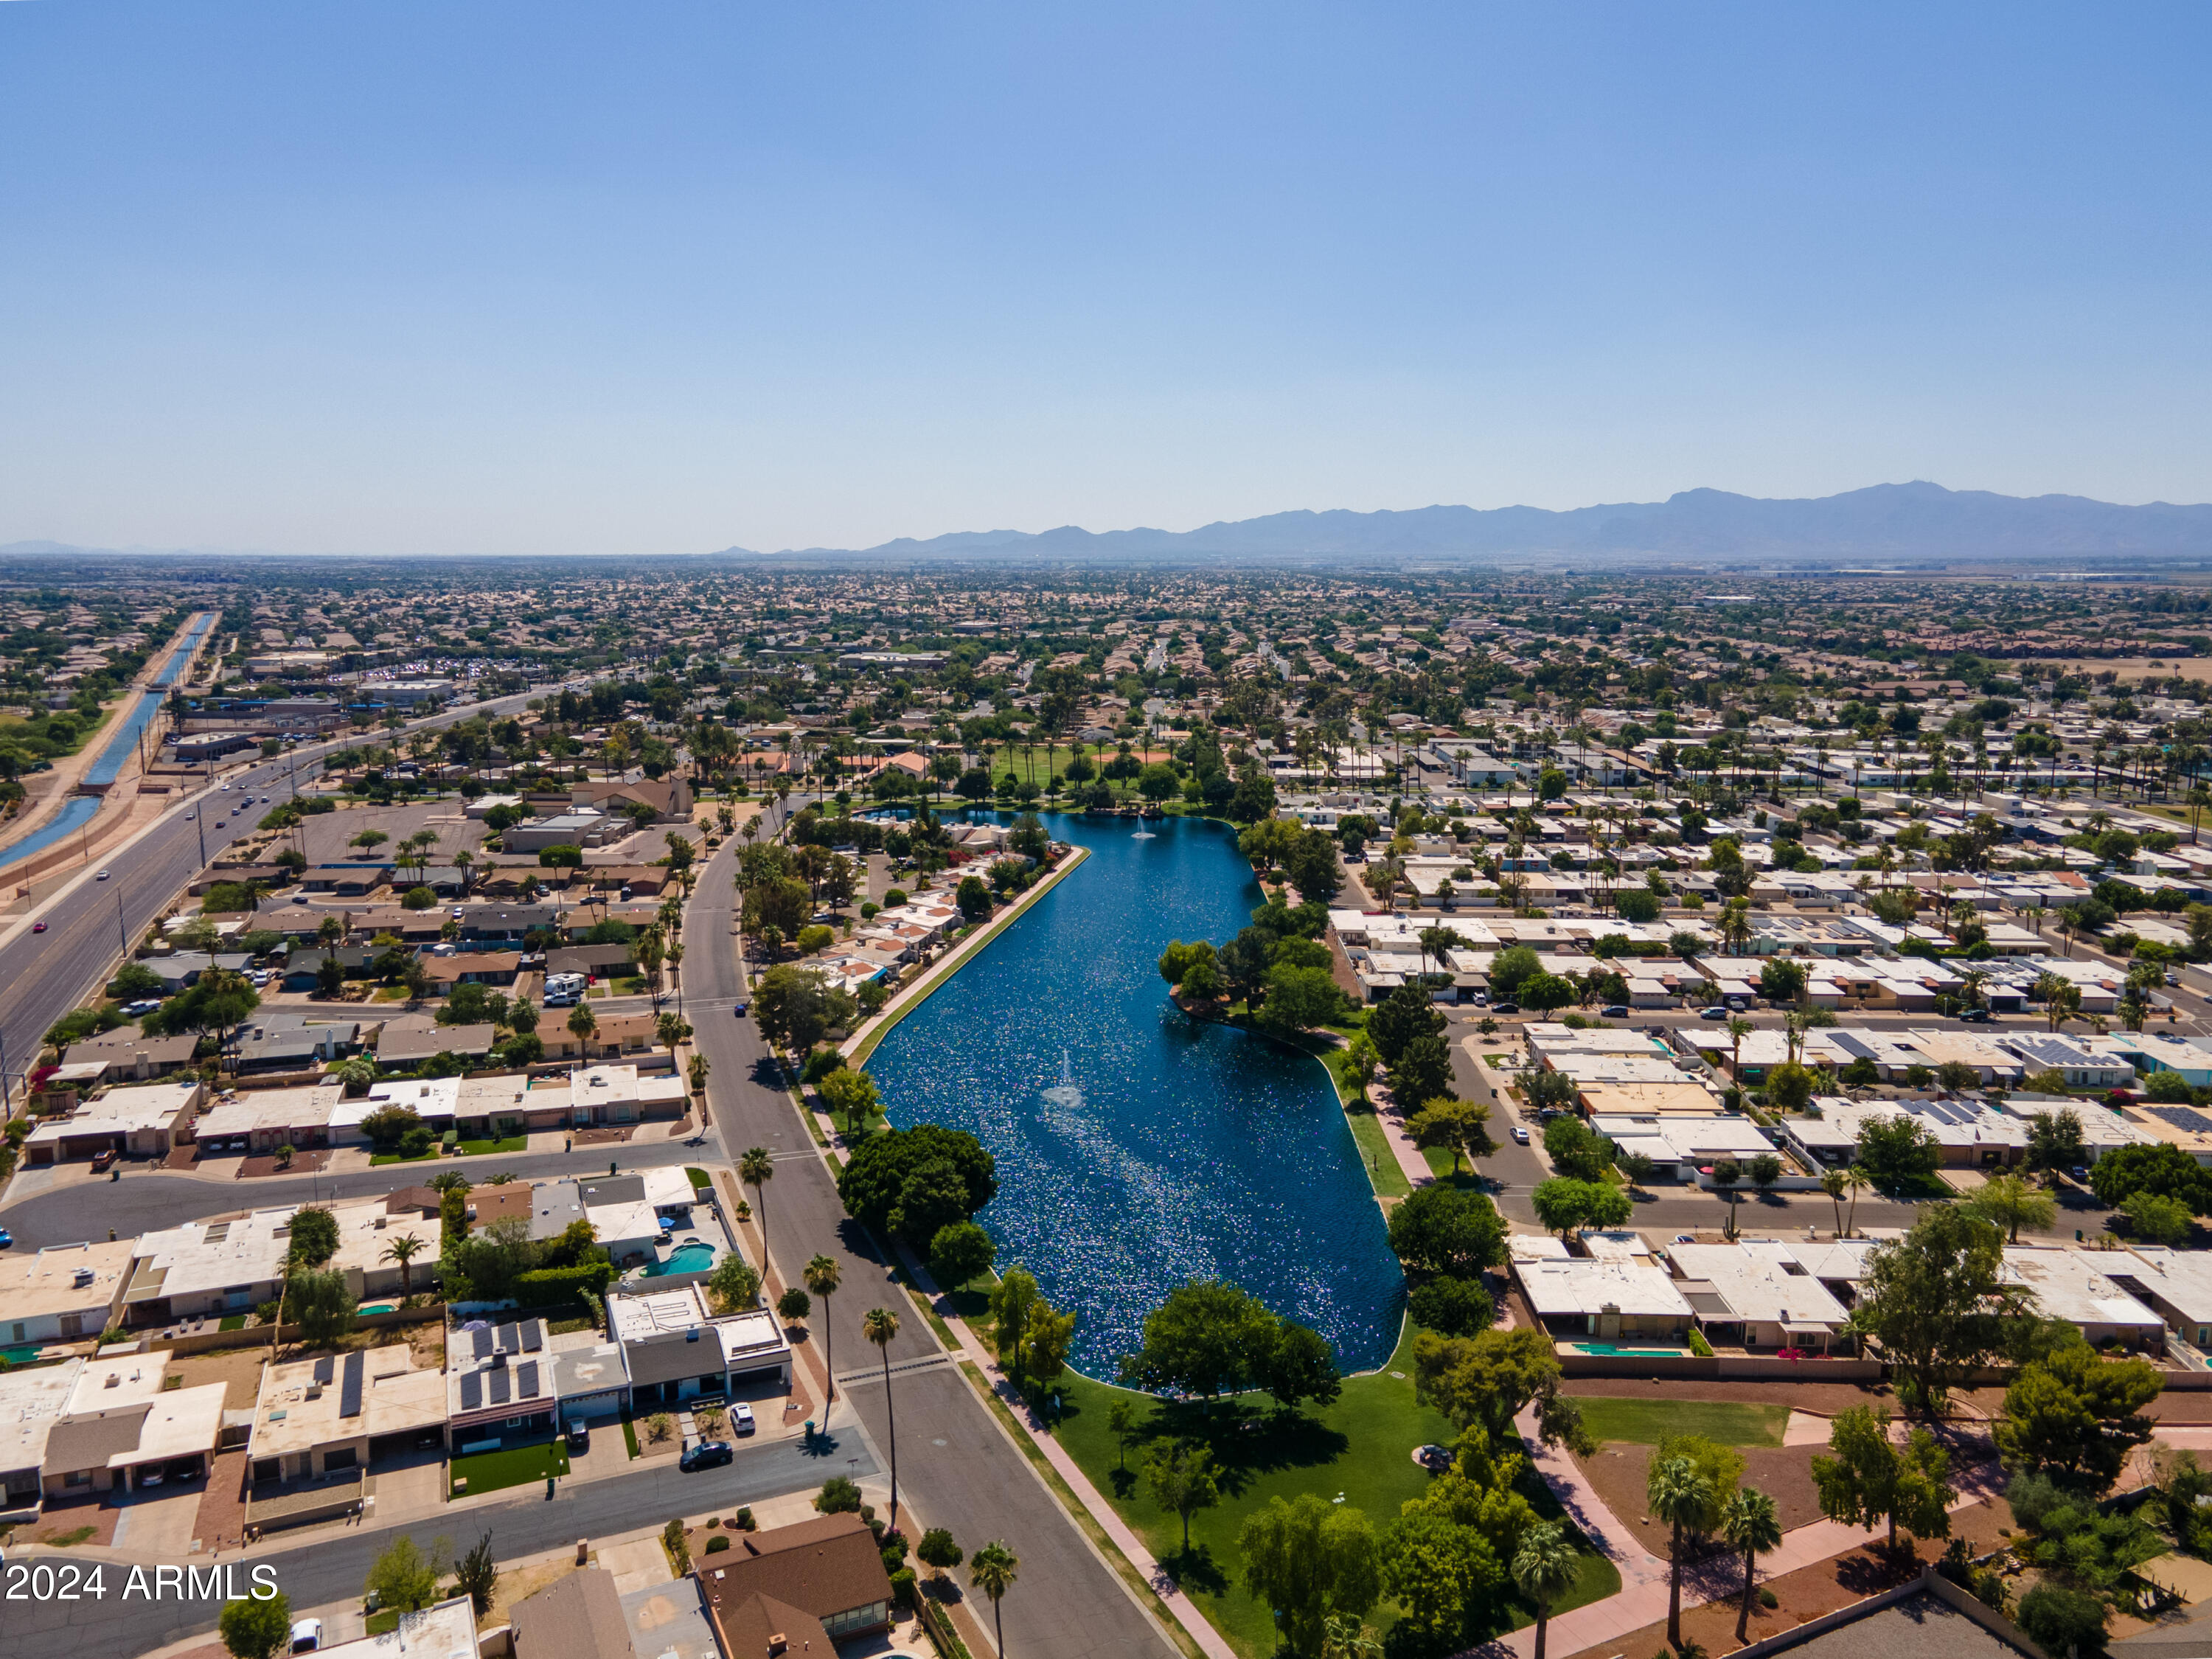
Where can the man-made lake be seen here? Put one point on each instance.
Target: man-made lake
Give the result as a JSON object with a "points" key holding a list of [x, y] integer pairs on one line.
{"points": [[1167, 1150]]}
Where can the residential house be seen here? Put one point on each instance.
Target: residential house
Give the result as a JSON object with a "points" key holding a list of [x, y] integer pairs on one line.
{"points": [[818, 1582], [317, 1416], [61, 1293]]}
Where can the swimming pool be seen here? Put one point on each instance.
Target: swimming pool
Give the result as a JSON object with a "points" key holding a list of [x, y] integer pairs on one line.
{"points": [[1611, 1351], [694, 1255]]}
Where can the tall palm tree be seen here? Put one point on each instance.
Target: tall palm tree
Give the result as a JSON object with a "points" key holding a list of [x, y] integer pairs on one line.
{"points": [[991, 1570], [755, 1169], [1749, 1523], [1545, 1567], [1858, 1180], [1834, 1183], [1677, 1494], [879, 1326], [403, 1249], [822, 1279], [1738, 1029]]}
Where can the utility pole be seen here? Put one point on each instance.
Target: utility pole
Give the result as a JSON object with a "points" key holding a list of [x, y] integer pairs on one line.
{"points": [[122, 933]]}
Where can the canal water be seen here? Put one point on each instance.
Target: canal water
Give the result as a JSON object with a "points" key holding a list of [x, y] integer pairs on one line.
{"points": [[1136, 1149]]}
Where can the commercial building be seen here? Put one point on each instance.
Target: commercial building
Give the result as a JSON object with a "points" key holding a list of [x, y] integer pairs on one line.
{"points": [[563, 830]]}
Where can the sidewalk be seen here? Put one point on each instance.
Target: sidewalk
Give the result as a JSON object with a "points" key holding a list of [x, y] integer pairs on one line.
{"points": [[1411, 1159], [1642, 1599]]}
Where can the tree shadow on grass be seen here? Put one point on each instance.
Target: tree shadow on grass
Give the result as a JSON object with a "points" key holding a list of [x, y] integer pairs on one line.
{"points": [[1195, 1568], [1246, 1444]]}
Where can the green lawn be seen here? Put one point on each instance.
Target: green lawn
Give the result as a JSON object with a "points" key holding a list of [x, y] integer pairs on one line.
{"points": [[233, 1322], [1361, 1449], [516, 1466], [1729, 1422], [629, 1432], [404, 1157], [506, 1144], [699, 1178], [1382, 1171], [383, 1624]]}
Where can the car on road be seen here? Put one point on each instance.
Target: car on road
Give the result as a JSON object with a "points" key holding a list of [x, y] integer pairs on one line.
{"points": [[1505, 1007], [707, 1454], [741, 1418], [1521, 1134], [306, 1635], [1974, 1015], [1712, 1013], [1618, 1011], [189, 817], [6, 1238], [38, 926], [740, 1009], [104, 875]]}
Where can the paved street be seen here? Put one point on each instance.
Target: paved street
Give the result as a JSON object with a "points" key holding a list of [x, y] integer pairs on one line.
{"points": [[334, 1567]]}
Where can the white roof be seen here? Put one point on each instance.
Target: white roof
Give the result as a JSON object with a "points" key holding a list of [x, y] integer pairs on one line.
{"points": [[1580, 1285], [32, 1400], [2069, 1285], [2181, 1277], [123, 1111], [448, 1631], [1762, 1280]]}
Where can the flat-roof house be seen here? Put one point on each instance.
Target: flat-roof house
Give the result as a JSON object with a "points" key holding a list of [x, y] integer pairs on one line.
{"points": [[829, 1572], [32, 1401], [1756, 1293], [675, 1348], [122, 1424], [2071, 1285], [62, 1292], [499, 1385], [266, 1119], [446, 1630], [146, 1121], [332, 1411], [1608, 1297], [2176, 1284], [125, 1055]]}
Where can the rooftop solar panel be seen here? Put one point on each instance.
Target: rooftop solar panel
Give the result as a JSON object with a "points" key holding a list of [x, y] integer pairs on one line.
{"points": [[502, 1387], [350, 1385], [471, 1390], [323, 1367], [525, 1379], [480, 1341], [533, 1335], [2182, 1117], [510, 1341]]}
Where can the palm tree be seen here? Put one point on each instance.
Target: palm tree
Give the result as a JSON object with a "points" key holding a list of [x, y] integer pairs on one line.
{"points": [[403, 1249], [1856, 1179], [1749, 1523], [1677, 1495], [755, 1170], [1738, 1029], [879, 1326], [1545, 1567], [1833, 1182], [991, 1570], [821, 1276]]}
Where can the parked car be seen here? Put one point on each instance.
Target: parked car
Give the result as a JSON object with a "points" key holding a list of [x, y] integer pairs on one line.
{"points": [[741, 1418], [306, 1635], [707, 1454], [1505, 1007], [103, 1160], [1618, 1011], [1712, 1013], [6, 1238], [143, 1006], [579, 1439], [1735, 1005]]}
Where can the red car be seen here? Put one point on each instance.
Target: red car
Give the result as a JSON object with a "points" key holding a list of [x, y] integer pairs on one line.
{"points": [[38, 926]]}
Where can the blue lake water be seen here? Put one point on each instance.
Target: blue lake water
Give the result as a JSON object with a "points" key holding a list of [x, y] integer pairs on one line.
{"points": [[1173, 1151], [108, 766]]}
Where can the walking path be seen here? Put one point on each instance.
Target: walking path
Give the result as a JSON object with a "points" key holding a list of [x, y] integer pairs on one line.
{"points": [[1642, 1599], [1411, 1159]]}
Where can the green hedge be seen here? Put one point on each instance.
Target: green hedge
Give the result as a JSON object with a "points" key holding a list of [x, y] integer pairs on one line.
{"points": [[545, 1287]]}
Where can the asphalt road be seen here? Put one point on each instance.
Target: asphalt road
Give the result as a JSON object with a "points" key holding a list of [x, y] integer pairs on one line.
{"points": [[91, 922], [334, 1569], [951, 1454]]}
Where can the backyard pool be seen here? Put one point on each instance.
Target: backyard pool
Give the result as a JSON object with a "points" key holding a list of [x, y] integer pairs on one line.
{"points": [[1138, 1148], [694, 1255]]}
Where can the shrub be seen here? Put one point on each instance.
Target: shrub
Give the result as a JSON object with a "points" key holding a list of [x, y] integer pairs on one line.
{"points": [[718, 1543], [1453, 1307], [901, 1585], [838, 1496], [1698, 1346]]}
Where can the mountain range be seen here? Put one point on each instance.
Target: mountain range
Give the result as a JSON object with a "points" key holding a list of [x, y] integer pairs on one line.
{"points": [[1911, 521]]}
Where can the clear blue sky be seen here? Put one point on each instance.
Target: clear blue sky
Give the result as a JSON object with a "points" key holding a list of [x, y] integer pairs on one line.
{"points": [[489, 275]]}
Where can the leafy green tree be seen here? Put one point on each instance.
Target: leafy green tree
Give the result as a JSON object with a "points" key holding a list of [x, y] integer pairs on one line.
{"points": [[1433, 1568], [1442, 1230], [1564, 1205], [252, 1629], [961, 1251], [320, 1303], [1423, 1072], [1452, 1307], [1207, 1337], [917, 1181], [797, 1006], [1307, 1559], [1869, 1482], [1405, 1014], [1544, 991], [477, 1573], [1782, 980], [2158, 1220], [2006, 1201], [1790, 1087], [734, 1284], [402, 1577], [1576, 1150], [1182, 1478], [2075, 1416], [2162, 1169], [1897, 1150], [938, 1550], [1175, 961], [1720, 1467], [314, 1237], [850, 1094], [1461, 1126], [1935, 1302], [1299, 1000], [1296, 1365], [1486, 1381], [2055, 1142]]}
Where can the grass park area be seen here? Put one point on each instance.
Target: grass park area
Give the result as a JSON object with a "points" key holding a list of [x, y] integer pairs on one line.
{"points": [[1728, 1422], [506, 1144], [513, 1466], [1359, 1449]]}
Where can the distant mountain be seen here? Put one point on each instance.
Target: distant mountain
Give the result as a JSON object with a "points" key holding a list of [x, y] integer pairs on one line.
{"points": [[1915, 521]]}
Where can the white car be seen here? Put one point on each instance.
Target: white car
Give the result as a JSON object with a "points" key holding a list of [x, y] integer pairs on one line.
{"points": [[306, 1635], [1521, 1134], [741, 1418]]}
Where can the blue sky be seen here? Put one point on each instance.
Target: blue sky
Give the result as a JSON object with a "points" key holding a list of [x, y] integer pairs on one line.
{"points": [[543, 277]]}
